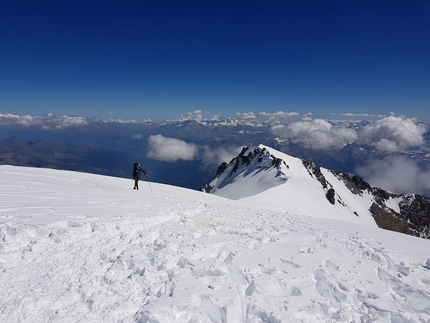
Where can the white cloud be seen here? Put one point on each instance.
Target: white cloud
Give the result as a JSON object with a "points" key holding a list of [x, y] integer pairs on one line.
{"points": [[279, 117], [246, 116], [137, 136], [358, 115], [307, 117], [170, 149], [276, 118], [318, 134], [389, 134], [49, 121], [196, 115], [26, 121], [393, 134], [66, 122], [397, 174]]}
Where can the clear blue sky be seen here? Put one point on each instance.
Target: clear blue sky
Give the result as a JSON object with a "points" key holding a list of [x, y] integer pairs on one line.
{"points": [[158, 59]]}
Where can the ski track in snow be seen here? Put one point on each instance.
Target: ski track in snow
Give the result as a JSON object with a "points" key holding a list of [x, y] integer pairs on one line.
{"points": [[85, 248]]}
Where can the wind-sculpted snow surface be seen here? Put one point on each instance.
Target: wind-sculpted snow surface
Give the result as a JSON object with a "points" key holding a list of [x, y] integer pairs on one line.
{"points": [[76, 247]]}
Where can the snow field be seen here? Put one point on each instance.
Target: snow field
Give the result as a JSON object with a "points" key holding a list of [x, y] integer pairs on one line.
{"points": [[78, 247]]}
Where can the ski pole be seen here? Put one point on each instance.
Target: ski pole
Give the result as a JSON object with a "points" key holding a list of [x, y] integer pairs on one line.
{"points": [[149, 183]]}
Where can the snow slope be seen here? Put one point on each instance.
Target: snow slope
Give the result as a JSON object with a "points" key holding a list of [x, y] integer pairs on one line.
{"points": [[289, 186], [78, 247]]}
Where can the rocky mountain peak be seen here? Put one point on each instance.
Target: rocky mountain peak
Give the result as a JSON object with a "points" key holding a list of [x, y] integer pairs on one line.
{"points": [[349, 194], [250, 158]]}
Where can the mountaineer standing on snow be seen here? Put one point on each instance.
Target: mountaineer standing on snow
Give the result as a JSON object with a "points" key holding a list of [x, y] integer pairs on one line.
{"points": [[136, 175]]}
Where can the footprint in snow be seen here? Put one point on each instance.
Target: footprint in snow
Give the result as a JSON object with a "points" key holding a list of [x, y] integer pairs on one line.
{"points": [[290, 263]]}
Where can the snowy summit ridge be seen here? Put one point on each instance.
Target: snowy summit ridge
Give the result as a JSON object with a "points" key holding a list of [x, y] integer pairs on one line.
{"points": [[253, 164], [273, 179]]}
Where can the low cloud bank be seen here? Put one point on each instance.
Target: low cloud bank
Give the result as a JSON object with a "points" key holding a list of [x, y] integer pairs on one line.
{"points": [[318, 134], [246, 116], [172, 149], [389, 134], [398, 174], [393, 134], [53, 122], [49, 121]]}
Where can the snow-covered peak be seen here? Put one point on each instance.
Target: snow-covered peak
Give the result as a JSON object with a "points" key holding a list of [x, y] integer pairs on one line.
{"points": [[254, 169], [267, 177]]}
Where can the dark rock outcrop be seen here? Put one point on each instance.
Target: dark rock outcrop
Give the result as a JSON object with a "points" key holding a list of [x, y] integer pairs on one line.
{"points": [[386, 219], [414, 216], [315, 170], [330, 196], [416, 209]]}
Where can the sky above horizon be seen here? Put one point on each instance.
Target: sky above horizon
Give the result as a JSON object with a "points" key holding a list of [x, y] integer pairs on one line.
{"points": [[159, 60]]}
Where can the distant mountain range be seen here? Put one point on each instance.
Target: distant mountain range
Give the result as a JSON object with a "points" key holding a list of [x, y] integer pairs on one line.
{"points": [[264, 176], [115, 146]]}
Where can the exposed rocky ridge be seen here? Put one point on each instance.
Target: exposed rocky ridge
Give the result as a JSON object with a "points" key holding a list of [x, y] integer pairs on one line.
{"points": [[244, 159], [389, 219], [416, 209], [315, 170], [412, 217]]}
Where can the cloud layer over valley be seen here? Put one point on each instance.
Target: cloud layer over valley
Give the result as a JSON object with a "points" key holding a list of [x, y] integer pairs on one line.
{"points": [[208, 140], [389, 134], [397, 173]]}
